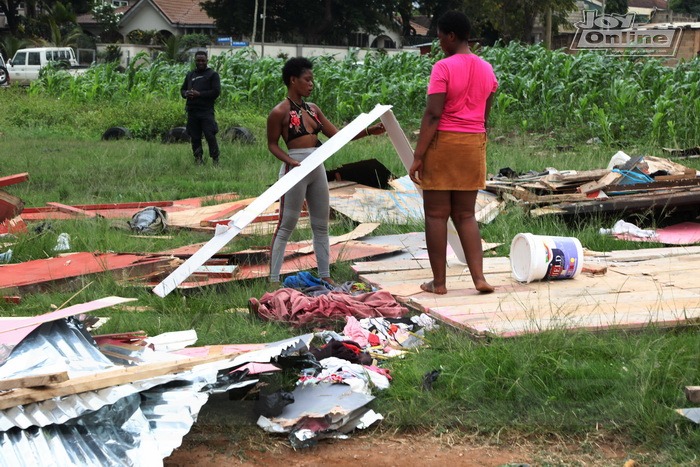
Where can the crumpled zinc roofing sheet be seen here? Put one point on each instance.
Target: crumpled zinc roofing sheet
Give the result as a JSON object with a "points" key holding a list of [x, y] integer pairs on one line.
{"points": [[137, 430], [58, 346]]}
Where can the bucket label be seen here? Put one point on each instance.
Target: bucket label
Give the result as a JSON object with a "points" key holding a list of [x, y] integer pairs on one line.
{"points": [[562, 258]]}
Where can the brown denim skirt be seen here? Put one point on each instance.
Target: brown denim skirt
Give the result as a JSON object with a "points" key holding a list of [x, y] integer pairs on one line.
{"points": [[455, 161]]}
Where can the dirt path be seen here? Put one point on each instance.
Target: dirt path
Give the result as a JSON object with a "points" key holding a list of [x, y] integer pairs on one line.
{"points": [[226, 434], [379, 449]]}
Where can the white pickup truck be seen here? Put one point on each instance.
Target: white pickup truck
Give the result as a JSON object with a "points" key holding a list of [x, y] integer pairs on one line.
{"points": [[26, 64]]}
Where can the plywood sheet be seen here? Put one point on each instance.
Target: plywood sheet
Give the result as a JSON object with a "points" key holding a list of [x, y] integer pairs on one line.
{"points": [[660, 291]]}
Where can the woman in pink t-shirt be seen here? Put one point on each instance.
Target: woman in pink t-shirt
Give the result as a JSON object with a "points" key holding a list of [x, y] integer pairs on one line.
{"points": [[449, 162]]}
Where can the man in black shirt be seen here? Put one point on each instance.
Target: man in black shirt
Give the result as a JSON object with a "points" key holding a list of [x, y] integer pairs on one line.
{"points": [[201, 88]]}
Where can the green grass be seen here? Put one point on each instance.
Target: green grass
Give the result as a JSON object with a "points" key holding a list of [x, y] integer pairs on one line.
{"points": [[571, 385]]}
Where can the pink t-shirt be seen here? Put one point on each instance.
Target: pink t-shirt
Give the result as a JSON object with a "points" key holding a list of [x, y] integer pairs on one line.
{"points": [[467, 80]]}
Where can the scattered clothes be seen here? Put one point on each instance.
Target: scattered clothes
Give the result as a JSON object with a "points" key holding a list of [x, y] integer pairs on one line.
{"points": [[625, 228], [685, 233], [294, 307], [150, 220], [347, 350], [360, 378], [304, 280]]}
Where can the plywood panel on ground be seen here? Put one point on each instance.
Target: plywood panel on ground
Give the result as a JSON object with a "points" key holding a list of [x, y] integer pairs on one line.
{"points": [[640, 289]]}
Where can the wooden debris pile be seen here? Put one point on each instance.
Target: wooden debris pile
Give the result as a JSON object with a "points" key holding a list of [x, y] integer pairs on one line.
{"points": [[638, 184]]}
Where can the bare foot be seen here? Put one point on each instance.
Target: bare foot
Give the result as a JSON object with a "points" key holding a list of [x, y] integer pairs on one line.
{"points": [[329, 280], [483, 286], [432, 288], [272, 286]]}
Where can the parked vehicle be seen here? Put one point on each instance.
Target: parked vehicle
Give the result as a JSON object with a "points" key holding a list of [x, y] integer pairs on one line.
{"points": [[26, 64], [4, 77]]}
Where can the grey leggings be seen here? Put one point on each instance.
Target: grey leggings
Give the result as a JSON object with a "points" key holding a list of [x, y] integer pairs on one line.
{"points": [[313, 188]]}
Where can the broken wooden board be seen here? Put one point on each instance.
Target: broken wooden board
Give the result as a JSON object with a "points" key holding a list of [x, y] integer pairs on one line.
{"points": [[72, 210], [14, 225], [611, 178], [104, 379], [69, 271], [365, 204], [125, 210], [686, 153], [14, 179], [360, 231], [660, 200], [644, 293], [45, 379], [345, 251], [10, 206], [692, 393]]}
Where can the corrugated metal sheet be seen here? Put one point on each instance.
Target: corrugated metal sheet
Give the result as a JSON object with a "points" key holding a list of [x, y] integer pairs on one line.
{"points": [[132, 424]]}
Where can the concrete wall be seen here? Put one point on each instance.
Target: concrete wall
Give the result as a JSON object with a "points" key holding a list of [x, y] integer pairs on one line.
{"points": [[129, 51]]}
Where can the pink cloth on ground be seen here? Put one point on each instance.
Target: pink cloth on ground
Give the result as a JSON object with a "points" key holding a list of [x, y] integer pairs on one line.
{"points": [[292, 306], [354, 331], [467, 81]]}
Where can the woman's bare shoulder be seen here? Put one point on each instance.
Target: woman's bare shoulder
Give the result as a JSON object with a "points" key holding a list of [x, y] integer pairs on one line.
{"points": [[280, 109]]}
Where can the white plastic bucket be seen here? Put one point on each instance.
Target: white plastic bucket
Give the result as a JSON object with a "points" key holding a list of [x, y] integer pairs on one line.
{"points": [[540, 257]]}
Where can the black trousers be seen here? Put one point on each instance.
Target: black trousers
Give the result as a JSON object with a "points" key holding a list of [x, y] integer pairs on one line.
{"points": [[202, 122]]}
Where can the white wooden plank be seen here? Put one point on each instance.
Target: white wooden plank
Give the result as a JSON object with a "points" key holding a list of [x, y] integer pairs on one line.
{"points": [[244, 217], [405, 152]]}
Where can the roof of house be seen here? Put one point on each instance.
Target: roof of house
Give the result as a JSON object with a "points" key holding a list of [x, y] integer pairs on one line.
{"points": [[183, 11], [176, 12], [659, 4]]}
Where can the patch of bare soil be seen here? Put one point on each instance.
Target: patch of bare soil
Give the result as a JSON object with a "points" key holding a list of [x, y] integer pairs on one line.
{"points": [[387, 450], [226, 434]]}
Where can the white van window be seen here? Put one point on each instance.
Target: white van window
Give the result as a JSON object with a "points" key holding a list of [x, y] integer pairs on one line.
{"points": [[20, 58], [34, 58]]}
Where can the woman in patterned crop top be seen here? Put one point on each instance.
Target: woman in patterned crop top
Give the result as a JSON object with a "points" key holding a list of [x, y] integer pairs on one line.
{"points": [[298, 123]]}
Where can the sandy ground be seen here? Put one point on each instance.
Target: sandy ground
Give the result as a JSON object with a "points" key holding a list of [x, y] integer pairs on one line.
{"points": [[226, 434]]}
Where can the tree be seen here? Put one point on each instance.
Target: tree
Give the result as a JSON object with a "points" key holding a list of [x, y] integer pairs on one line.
{"points": [[515, 19], [11, 44], [108, 19], [173, 50], [322, 21], [686, 6], [10, 8], [616, 7]]}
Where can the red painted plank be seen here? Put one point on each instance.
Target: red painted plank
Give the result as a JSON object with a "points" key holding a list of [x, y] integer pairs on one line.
{"points": [[41, 271], [12, 332], [230, 211], [347, 251], [72, 210], [14, 179], [14, 225]]}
